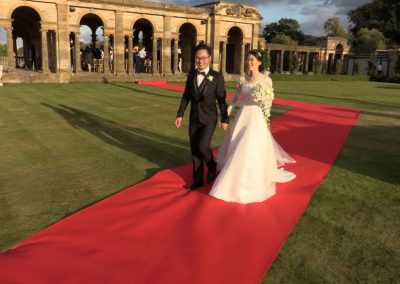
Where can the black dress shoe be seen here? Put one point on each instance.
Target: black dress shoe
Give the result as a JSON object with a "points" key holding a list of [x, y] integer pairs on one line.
{"points": [[211, 176], [194, 185]]}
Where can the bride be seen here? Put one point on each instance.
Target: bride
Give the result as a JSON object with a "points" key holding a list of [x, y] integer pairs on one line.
{"points": [[250, 159]]}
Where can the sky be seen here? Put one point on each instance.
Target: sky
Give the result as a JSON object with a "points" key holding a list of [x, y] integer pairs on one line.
{"points": [[311, 14], [2, 36]]}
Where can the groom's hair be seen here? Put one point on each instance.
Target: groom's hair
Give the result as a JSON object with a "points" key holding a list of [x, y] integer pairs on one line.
{"points": [[203, 46]]}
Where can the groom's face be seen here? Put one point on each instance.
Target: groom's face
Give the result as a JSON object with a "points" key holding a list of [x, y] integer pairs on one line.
{"points": [[202, 59]]}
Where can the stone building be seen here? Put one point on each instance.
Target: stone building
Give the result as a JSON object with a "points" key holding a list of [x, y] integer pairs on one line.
{"points": [[328, 55], [44, 38]]}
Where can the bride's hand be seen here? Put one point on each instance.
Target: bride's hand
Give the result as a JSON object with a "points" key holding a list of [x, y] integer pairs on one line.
{"points": [[224, 126]]}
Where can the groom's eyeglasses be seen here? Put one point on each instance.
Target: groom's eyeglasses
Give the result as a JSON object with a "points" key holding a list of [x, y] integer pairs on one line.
{"points": [[202, 58]]}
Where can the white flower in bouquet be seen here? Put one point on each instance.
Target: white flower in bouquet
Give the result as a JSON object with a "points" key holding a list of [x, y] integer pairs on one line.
{"points": [[263, 95]]}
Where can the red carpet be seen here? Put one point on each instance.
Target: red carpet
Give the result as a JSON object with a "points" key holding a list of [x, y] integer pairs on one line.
{"points": [[157, 232]]}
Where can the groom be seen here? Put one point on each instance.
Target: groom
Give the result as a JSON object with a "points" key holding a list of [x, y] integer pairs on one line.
{"points": [[204, 87]]}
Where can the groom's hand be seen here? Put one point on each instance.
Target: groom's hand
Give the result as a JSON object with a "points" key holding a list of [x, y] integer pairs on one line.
{"points": [[224, 126], [178, 122]]}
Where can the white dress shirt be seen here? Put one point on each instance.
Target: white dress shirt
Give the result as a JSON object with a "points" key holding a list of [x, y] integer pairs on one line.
{"points": [[200, 77]]}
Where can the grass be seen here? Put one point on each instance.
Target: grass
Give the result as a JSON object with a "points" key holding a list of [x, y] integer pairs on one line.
{"points": [[64, 147]]}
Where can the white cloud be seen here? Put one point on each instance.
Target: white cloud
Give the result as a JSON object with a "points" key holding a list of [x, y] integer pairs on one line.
{"points": [[311, 14]]}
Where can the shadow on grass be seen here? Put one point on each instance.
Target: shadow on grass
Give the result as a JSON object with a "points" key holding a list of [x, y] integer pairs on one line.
{"points": [[372, 158], [163, 151], [142, 90], [390, 87], [368, 104], [368, 150]]}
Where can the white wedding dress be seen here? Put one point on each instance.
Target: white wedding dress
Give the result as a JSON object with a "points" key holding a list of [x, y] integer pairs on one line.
{"points": [[250, 160]]}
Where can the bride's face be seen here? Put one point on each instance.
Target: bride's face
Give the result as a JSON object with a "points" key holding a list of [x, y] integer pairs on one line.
{"points": [[252, 63]]}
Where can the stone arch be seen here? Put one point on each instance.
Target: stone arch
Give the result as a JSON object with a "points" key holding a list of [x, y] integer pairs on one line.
{"points": [[233, 50], [94, 22], [83, 15], [30, 5], [143, 33], [26, 23], [337, 63], [187, 43], [339, 48]]}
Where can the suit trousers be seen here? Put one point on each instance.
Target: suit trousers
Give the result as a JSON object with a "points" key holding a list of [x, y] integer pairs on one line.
{"points": [[200, 140]]}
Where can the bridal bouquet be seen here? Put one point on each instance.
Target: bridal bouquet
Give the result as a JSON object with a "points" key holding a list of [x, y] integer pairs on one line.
{"points": [[263, 95]]}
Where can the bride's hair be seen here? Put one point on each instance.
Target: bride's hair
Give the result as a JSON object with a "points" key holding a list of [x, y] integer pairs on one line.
{"points": [[258, 55]]}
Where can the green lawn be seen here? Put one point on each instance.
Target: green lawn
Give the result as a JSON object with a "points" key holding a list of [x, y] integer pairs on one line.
{"points": [[66, 146]]}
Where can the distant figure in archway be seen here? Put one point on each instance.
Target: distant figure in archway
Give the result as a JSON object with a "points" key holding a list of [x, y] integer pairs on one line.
{"points": [[33, 58]]}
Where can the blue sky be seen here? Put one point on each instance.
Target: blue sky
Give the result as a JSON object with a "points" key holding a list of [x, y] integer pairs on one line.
{"points": [[2, 35], [311, 14]]}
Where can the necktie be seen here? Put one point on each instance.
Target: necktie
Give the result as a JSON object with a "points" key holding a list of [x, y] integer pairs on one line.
{"points": [[201, 73]]}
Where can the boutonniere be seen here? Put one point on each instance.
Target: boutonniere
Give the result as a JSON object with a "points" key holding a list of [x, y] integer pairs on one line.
{"points": [[210, 78]]}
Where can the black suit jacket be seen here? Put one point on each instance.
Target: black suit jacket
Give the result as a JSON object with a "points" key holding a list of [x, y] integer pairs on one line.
{"points": [[203, 108]]}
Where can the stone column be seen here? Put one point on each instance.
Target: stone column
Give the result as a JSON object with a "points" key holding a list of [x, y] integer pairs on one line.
{"points": [[94, 39], [106, 59], [215, 31], [242, 59], [10, 50], [166, 47], [176, 58], [154, 55], [63, 45], [306, 63], [255, 36], [45, 53], [277, 55], [223, 58], [281, 58], [130, 55], [1, 75], [77, 53], [119, 41]]}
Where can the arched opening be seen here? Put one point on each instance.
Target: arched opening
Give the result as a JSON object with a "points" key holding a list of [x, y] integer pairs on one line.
{"points": [[143, 46], [233, 50], [91, 43], [186, 44], [3, 47], [338, 59], [27, 41]]}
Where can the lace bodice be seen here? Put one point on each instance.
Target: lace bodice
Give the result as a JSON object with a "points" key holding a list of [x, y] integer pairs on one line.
{"points": [[242, 94]]}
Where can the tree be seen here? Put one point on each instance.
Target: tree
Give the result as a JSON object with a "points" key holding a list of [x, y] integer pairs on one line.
{"points": [[383, 15], [3, 50], [266, 59], [283, 39], [288, 27], [295, 62], [333, 27], [309, 40], [368, 40]]}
